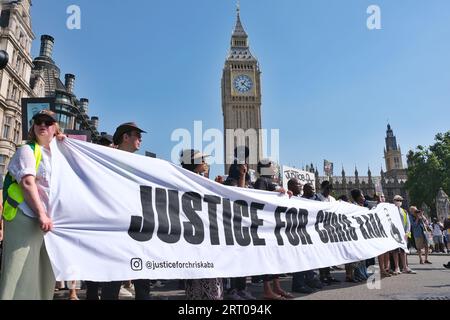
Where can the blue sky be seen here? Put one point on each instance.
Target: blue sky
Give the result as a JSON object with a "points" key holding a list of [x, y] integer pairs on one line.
{"points": [[328, 83]]}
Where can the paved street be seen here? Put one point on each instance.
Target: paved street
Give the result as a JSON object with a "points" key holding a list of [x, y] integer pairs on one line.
{"points": [[431, 282]]}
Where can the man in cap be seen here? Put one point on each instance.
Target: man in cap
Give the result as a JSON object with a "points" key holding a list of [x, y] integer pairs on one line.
{"points": [[128, 137]]}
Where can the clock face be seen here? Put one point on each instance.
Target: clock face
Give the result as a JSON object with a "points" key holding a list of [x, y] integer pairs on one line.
{"points": [[243, 83]]}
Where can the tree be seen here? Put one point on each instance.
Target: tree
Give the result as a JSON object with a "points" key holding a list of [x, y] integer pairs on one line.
{"points": [[429, 170]]}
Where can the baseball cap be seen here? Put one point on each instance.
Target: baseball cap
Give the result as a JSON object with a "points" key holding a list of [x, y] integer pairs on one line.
{"points": [[398, 198], [125, 128]]}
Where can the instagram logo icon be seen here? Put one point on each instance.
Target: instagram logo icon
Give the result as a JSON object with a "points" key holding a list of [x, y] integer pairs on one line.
{"points": [[136, 264]]}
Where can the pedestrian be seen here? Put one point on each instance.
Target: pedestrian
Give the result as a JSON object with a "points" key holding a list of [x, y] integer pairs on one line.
{"points": [[418, 229]]}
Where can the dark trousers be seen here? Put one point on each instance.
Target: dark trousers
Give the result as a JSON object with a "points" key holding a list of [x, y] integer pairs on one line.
{"points": [[142, 289], [324, 273], [301, 279], [92, 290], [239, 283], [110, 290]]}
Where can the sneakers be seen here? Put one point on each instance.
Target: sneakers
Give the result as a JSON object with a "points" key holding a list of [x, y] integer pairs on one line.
{"points": [[245, 295], [447, 265], [427, 262]]}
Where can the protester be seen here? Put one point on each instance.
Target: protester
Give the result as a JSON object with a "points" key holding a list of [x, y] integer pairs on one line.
{"points": [[200, 289], [325, 196], [301, 279], [404, 217], [383, 259], [106, 140], [238, 177], [360, 271], [128, 137], [266, 171], [26, 270], [92, 287]]}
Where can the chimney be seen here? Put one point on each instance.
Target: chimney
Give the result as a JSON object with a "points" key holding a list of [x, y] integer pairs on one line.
{"points": [[70, 82], [84, 103], [47, 43], [94, 121]]}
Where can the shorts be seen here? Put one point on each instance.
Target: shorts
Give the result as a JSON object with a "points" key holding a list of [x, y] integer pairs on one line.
{"points": [[420, 243]]}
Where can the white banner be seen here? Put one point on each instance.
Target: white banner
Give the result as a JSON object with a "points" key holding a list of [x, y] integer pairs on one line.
{"points": [[120, 216], [303, 176]]}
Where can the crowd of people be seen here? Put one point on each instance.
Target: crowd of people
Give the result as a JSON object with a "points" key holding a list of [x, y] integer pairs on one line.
{"points": [[26, 271]]}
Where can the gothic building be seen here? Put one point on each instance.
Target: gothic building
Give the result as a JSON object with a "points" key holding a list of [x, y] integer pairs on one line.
{"points": [[390, 182], [241, 98]]}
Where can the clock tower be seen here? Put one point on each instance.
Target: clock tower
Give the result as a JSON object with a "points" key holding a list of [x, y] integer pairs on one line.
{"points": [[241, 99]]}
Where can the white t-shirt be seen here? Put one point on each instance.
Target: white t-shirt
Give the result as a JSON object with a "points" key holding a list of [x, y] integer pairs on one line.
{"points": [[326, 199], [437, 232], [23, 163]]}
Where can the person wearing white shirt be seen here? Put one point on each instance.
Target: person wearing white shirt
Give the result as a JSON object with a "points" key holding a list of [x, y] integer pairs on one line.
{"points": [[26, 270]]}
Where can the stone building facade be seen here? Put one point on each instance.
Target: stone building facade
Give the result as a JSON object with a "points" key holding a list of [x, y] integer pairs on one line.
{"points": [[16, 37]]}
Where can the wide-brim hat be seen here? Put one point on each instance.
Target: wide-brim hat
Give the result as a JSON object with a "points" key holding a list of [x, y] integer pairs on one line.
{"points": [[125, 128], [191, 155], [45, 114]]}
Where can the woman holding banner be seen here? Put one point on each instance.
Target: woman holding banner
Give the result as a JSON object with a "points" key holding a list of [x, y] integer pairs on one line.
{"points": [[26, 270], [200, 289]]}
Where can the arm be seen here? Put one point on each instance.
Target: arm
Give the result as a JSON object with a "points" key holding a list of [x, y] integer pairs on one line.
{"points": [[242, 176], [31, 196]]}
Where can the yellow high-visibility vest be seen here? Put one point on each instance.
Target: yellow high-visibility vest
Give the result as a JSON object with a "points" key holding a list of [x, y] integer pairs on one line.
{"points": [[12, 192]]}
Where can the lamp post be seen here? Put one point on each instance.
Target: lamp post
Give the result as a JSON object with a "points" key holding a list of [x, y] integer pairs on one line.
{"points": [[4, 58]]}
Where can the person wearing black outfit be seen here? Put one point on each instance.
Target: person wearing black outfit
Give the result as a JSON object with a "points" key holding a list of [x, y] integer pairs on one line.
{"points": [[302, 282], [266, 172], [128, 137]]}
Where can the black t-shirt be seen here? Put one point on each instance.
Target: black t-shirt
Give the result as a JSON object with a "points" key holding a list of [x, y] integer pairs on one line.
{"points": [[265, 183]]}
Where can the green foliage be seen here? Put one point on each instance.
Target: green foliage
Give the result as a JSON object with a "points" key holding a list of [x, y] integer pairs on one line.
{"points": [[429, 170]]}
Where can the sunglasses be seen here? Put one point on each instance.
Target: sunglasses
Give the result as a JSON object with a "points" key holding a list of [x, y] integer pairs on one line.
{"points": [[47, 123], [135, 134]]}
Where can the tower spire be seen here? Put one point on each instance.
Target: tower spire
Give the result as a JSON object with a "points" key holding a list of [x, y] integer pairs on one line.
{"points": [[239, 31]]}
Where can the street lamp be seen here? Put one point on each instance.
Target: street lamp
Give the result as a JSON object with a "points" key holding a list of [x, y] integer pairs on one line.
{"points": [[4, 58]]}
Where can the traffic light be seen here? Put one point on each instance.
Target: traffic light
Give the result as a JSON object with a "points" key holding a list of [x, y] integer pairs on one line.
{"points": [[4, 58]]}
